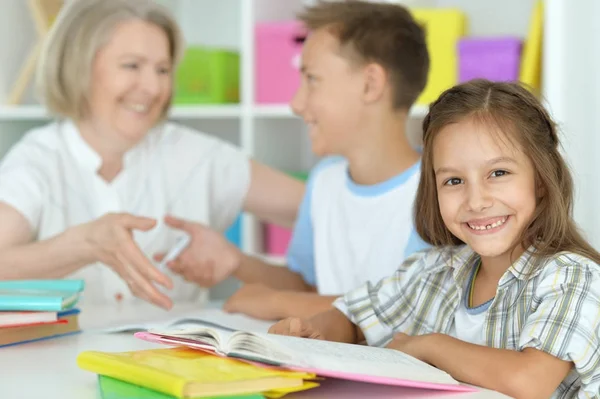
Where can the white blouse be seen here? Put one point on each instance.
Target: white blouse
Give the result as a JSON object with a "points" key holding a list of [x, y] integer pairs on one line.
{"points": [[50, 176]]}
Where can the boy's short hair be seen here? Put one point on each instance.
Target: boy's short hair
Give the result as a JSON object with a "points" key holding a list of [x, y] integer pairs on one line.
{"points": [[386, 34], [82, 27]]}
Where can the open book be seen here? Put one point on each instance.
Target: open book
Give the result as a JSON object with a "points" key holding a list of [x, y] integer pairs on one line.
{"points": [[144, 317], [328, 359]]}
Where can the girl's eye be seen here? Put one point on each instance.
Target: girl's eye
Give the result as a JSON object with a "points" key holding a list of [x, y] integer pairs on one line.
{"points": [[499, 173], [453, 181], [130, 66]]}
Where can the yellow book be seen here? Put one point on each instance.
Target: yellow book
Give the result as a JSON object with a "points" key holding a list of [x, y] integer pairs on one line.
{"points": [[531, 61], [186, 373], [444, 27]]}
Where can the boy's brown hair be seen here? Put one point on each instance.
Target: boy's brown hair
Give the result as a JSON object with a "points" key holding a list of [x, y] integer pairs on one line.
{"points": [[385, 34], [519, 117]]}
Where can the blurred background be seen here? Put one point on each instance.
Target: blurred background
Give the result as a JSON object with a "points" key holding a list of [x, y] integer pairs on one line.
{"points": [[240, 71]]}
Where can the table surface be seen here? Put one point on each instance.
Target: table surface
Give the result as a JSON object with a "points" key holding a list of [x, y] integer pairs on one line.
{"points": [[47, 369]]}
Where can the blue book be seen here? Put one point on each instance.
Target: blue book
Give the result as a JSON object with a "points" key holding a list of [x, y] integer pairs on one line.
{"points": [[39, 295]]}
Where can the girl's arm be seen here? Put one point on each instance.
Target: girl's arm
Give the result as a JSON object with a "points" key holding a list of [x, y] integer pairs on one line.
{"points": [[527, 374], [335, 326]]}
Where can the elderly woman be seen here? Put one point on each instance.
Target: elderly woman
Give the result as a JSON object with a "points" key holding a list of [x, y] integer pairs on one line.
{"points": [[85, 196]]}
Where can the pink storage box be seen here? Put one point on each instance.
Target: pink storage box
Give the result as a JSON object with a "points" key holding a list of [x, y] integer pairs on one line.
{"points": [[278, 51], [496, 59], [277, 239]]}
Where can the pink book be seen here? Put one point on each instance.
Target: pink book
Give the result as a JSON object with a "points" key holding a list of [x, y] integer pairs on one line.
{"points": [[324, 358]]}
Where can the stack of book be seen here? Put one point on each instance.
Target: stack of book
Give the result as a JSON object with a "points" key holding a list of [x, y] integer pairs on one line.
{"points": [[186, 373], [32, 310]]}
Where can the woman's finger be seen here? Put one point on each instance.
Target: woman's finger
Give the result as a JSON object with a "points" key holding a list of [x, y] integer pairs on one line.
{"points": [[144, 288], [149, 292], [136, 258]]}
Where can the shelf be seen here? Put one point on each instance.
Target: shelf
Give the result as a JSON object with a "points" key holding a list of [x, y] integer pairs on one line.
{"points": [[284, 111], [276, 260], [22, 113], [206, 111], [274, 111], [37, 112]]}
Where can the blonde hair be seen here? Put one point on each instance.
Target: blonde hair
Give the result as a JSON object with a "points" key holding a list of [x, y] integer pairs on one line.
{"points": [[80, 30], [521, 116]]}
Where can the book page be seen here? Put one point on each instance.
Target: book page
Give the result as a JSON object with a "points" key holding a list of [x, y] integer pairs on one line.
{"points": [[214, 337], [143, 317], [257, 347], [354, 359]]}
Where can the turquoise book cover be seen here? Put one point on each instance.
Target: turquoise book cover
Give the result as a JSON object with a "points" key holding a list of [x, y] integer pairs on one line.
{"points": [[39, 295]]}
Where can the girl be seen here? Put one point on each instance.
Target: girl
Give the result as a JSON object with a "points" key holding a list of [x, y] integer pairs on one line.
{"points": [[508, 298]]}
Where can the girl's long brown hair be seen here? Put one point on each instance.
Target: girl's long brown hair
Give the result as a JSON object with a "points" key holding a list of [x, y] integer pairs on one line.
{"points": [[521, 117]]}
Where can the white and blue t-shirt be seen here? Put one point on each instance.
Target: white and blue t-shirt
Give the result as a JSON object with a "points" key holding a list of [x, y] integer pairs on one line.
{"points": [[347, 233]]}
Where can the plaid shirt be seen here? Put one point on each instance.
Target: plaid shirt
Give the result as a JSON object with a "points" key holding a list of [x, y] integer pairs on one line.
{"points": [[550, 304]]}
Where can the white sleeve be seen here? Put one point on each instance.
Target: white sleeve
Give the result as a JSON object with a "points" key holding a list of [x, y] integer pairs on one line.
{"points": [[231, 181], [23, 181], [214, 174]]}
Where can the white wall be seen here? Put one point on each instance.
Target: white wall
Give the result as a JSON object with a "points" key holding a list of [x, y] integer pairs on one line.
{"points": [[494, 17], [210, 22], [572, 90], [17, 35]]}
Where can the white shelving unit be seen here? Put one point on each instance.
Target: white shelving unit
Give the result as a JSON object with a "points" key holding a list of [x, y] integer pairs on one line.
{"points": [[270, 133]]}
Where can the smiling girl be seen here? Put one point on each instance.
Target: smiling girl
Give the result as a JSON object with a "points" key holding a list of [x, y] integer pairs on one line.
{"points": [[508, 298]]}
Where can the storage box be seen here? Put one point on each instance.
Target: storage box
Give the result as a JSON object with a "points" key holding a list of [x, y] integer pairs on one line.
{"points": [[496, 59], [207, 76], [278, 58], [234, 232], [277, 239], [444, 27]]}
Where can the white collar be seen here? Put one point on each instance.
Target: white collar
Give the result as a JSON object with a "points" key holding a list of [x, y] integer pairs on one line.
{"points": [[80, 150], [88, 158]]}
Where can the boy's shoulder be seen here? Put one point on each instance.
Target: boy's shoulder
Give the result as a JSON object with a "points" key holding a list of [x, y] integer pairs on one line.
{"points": [[332, 172], [328, 173], [331, 165]]}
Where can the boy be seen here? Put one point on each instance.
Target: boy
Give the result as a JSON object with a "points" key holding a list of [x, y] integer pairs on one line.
{"points": [[363, 66]]}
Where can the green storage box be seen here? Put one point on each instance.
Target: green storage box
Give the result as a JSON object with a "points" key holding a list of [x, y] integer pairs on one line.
{"points": [[207, 76]]}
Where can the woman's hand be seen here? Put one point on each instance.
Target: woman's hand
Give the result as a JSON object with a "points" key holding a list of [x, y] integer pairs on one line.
{"points": [[110, 241]]}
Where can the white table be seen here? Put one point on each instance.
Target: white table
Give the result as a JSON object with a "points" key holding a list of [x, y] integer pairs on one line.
{"points": [[47, 369]]}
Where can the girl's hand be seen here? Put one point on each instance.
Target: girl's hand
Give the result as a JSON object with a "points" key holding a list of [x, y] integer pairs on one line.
{"points": [[110, 241]]}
